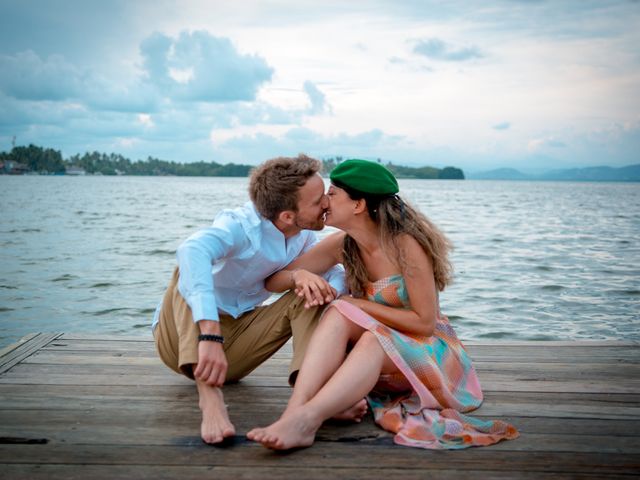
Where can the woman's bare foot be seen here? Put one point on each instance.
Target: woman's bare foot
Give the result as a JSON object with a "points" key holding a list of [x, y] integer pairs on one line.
{"points": [[295, 429], [354, 413], [216, 425]]}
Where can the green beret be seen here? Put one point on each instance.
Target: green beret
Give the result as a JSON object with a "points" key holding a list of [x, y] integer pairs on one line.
{"points": [[366, 177]]}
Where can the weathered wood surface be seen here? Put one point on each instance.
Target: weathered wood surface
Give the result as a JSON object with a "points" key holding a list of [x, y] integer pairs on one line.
{"points": [[74, 406]]}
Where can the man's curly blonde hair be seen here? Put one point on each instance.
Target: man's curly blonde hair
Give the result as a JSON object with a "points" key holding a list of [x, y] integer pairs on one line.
{"points": [[274, 184]]}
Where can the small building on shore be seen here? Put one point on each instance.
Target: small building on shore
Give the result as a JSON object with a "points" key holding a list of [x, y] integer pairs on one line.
{"points": [[14, 168], [72, 170]]}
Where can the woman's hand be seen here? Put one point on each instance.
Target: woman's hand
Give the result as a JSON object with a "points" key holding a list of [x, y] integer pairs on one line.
{"points": [[315, 289]]}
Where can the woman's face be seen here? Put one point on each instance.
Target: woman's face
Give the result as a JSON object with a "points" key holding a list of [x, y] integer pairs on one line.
{"points": [[340, 207]]}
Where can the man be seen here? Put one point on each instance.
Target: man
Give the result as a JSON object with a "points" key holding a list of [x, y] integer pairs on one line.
{"points": [[210, 325]]}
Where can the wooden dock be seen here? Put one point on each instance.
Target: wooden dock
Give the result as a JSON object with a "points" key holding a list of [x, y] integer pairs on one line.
{"points": [[74, 406]]}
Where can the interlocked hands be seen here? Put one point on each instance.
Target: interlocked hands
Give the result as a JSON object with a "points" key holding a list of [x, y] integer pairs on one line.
{"points": [[315, 289]]}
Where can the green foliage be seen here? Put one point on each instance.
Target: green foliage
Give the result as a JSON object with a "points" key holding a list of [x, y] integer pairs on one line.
{"points": [[41, 160], [37, 159], [451, 173], [447, 173]]}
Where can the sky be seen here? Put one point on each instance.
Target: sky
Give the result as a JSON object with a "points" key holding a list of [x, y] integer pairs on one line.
{"points": [[531, 85]]}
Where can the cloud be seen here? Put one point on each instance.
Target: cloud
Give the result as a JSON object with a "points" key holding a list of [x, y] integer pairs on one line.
{"points": [[502, 126], [538, 144], [26, 76], [261, 143], [397, 60], [318, 100], [198, 66], [436, 49]]}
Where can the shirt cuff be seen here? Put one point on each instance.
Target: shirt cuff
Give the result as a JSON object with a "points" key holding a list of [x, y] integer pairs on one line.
{"points": [[336, 278], [203, 307]]}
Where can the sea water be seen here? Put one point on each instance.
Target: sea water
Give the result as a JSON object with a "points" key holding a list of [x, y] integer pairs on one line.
{"points": [[533, 260]]}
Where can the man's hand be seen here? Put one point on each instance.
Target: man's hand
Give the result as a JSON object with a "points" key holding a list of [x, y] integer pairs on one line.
{"points": [[315, 289], [212, 362]]}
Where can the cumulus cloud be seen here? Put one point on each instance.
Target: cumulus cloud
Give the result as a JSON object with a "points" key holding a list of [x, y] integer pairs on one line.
{"points": [[436, 49], [502, 126], [194, 67], [26, 76], [198, 66]]}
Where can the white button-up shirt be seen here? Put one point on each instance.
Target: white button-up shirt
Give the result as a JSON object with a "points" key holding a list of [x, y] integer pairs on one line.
{"points": [[223, 267]]}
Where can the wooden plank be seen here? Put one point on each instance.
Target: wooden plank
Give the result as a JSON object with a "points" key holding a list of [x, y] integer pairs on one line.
{"points": [[115, 359], [163, 429], [275, 399], [31, 344], [143, 337], [166, 428], [9, 348], [555, 372], [484, 344], [108, 407], [325, 472], [62, 396], [347, 455], [489, 383]]}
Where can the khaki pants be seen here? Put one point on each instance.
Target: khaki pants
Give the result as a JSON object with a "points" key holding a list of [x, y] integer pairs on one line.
{"points": [[249, 339]]}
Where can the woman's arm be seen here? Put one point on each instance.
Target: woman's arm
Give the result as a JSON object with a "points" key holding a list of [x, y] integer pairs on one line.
{"points": [[420, 319]]}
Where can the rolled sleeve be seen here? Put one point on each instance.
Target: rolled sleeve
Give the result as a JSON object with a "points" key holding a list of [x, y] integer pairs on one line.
{"points": [[336, 278], [196, 257]]}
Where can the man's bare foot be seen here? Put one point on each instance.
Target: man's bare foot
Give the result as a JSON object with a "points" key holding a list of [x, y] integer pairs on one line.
{"points": [[296, 429], [355, 413], [216, 425]]}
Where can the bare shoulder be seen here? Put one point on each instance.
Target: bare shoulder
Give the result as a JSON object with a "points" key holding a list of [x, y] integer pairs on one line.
{"points": [[409, 244], [413, 252]]}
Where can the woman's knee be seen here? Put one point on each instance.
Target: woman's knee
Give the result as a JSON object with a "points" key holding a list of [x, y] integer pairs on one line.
{"points": [[369, 341], [337, 322], [370, 346], [333, 318]]}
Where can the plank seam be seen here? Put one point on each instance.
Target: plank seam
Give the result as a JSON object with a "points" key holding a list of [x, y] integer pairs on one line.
{"points": [[25, 350]]}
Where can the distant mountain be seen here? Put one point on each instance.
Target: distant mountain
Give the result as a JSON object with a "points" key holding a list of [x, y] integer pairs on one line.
{"points": [[500, 174], [630, 173]]}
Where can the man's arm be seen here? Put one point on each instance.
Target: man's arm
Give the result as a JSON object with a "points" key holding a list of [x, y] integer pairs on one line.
{"points": [[196, 257], [304, 272]]}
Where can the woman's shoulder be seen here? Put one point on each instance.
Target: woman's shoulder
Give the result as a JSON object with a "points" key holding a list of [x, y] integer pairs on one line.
{"points": [[408, 242], [411, 248]]}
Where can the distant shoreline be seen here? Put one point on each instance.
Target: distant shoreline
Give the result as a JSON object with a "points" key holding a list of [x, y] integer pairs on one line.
{"points": [[38, 160], [471, 178]]}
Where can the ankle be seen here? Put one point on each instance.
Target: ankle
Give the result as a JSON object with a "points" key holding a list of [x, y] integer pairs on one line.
{"points": [[311, 417]]}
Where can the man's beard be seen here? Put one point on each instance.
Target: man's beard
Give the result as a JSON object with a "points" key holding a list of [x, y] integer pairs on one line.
{"points": [[316, 224]]}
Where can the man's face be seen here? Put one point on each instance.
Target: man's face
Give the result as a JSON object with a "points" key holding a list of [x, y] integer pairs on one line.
{"points": [[312, 205]]}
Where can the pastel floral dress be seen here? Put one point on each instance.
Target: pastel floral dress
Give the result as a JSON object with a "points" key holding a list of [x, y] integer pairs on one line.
{"points": [[424, 405]]}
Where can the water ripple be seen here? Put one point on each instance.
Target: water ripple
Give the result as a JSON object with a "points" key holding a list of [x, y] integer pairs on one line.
{"points": [[533, 261]]}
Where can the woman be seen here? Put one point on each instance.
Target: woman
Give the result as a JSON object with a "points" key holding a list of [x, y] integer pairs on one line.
{"points": [[388, 340]]}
